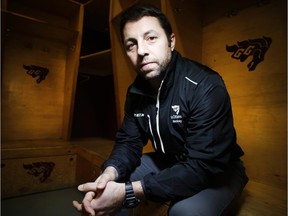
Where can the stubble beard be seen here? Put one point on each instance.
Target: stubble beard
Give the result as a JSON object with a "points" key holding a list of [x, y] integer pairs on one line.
{"points": [[156, 73]]}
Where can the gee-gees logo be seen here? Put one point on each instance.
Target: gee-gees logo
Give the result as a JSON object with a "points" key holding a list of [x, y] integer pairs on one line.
{"points": [[251, 47], [40, 169]]}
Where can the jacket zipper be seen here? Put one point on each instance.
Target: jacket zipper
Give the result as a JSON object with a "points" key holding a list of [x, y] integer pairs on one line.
{"points": [[151, 131], [157, 117]]}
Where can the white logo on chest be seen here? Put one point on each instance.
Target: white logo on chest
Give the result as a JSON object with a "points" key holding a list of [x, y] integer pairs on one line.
{"points": [[176, 118]]}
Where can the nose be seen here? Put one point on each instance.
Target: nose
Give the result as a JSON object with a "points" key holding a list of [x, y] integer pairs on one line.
{"points": [[142, 49]]}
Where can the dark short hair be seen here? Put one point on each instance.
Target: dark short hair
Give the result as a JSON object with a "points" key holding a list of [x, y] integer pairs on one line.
{"points": [[136, 12]]}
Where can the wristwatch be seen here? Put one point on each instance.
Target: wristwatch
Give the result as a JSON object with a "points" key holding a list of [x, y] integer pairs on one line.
{"points": [[131, 200]]}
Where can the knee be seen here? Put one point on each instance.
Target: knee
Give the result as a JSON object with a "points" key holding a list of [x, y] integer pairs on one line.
{"points": [[191, 209], [182, 210]]}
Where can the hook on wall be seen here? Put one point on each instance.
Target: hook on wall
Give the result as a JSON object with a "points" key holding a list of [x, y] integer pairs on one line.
{"points": [[261, 2], [179, 9], [36, 71], [231, 13]]}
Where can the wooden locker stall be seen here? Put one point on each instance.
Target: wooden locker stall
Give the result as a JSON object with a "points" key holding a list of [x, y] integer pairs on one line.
{"points": [[94, 113], [258, 32], [258, 96], [40, 57], [46, 35]]}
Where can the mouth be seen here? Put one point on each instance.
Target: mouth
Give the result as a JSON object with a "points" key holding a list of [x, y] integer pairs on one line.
{"points": [[145, 63], [146, 66]]}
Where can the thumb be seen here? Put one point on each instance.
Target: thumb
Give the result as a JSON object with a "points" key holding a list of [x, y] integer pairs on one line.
{"points": [[90, 186], [101, 184]]}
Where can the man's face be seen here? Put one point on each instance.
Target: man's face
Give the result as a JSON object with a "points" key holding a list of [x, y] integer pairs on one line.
{"points": [[147, 46]]}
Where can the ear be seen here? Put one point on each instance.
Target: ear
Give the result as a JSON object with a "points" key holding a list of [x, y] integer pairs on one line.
{"points": [[172, 41]]}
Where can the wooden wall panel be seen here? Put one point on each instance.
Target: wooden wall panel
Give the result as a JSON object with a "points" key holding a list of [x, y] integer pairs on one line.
{"points": [[31, 110], [69, 90], [122, 71], [185, 18], [71, 74], [31, 175], [259, 96], [86, 171], [37, 34]]}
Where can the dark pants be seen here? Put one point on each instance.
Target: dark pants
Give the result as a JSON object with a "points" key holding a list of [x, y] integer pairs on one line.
{"points": [[213, 201]]}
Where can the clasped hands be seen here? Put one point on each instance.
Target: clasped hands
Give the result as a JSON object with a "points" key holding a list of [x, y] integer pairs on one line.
{"points": [[103, 197]]}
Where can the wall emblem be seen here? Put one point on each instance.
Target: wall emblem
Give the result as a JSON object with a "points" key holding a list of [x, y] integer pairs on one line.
{"points": [[36, 71], [40, 169], [251, 47]]}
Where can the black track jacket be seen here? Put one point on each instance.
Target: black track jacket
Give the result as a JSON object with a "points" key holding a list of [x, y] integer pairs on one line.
{"points": [[190, 118]]}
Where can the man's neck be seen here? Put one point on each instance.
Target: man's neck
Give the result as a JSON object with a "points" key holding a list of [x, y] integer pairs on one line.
{"points": [[155, 83]]}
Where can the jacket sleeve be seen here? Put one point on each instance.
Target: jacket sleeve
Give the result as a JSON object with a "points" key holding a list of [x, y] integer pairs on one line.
{"points": [[209, 147], [127, 151]]}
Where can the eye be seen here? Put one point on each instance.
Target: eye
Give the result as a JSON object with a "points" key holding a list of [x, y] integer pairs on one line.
{"points": [[151, 38], [130, 46]]}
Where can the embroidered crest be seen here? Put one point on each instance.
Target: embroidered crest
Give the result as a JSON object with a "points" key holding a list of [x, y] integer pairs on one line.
{"points": [[176, 118], [176, 109]]}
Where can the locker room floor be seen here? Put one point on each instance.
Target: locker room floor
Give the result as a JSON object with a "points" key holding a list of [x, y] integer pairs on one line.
{"points": [[51, 203]]}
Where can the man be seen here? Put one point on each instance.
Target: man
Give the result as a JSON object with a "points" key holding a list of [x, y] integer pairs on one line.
{"points": [[184, 109]]}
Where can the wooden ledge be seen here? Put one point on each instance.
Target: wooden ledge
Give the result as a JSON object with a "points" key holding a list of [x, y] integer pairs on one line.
{"points": [[54, 147]]}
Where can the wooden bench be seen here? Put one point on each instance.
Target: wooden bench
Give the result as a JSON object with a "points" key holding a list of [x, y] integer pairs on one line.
{"points": [[257, 199]]}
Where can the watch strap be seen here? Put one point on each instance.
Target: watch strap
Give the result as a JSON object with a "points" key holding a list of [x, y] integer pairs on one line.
{"points": [[130, 199]]}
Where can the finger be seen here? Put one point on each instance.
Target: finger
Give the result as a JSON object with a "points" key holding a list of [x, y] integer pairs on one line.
{"points": [[101, 184], [86, 204], [102, 181], [90, 186], [77, 205]]}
